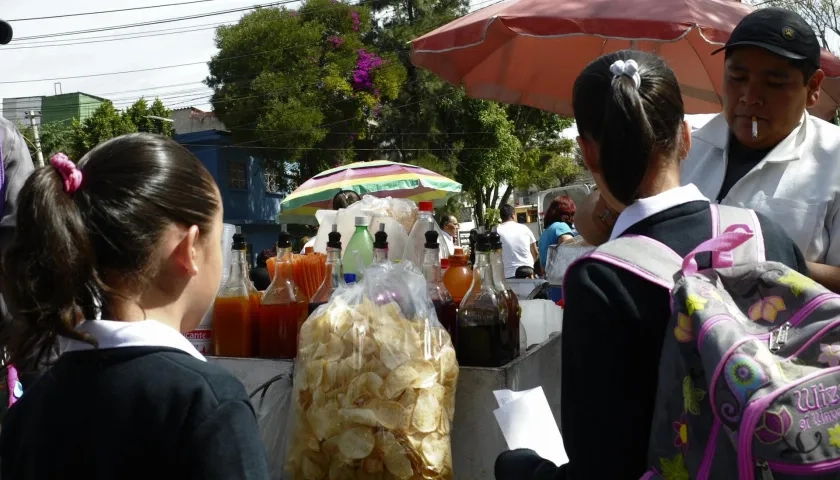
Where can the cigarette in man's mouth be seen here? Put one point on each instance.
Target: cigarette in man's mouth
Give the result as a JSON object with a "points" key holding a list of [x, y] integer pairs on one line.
{"points": [[754, 128]]}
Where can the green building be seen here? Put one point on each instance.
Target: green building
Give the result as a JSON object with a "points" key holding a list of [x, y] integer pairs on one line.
{"points": [[67, 106]]}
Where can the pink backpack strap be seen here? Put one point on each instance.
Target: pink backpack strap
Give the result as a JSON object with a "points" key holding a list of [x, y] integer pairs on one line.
{"points": [[727, 219]]}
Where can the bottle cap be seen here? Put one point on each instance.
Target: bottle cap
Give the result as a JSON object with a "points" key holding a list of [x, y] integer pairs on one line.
{"points": [[283, 239], [444, 263], [495, 240], [432, 239], [380, 240], [309, 250], [362, 221], [426, 206], [482, 244], [334, 238], [239, 242], [349, 278], [458, 251]]}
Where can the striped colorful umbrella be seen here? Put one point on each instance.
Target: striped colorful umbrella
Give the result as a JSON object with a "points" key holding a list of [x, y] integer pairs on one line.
{"points": [[379, 178]]}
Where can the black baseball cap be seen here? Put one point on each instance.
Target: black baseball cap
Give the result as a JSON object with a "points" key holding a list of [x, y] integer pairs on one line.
{"points": [[779, 31]]}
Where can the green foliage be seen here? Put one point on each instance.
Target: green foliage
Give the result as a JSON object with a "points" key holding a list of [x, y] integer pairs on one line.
{"points": [[139, 114], [492, 217], [55, 137], [107, 122], [287, 79]]}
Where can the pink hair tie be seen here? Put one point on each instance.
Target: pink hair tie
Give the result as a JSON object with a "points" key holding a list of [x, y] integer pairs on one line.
{"points": [[72, 175]]}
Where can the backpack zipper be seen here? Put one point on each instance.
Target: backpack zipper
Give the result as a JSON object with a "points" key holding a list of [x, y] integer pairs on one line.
{"points": [[779, 337], [766, 474]]}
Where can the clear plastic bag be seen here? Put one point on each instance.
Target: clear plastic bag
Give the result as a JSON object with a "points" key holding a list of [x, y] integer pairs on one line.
{"points": [[374, 385], [561, 256], [403, 211], [271, 402]]}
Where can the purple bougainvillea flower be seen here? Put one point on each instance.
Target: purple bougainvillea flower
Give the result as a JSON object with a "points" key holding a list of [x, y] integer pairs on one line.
{"points": [[774, 426], [356, 22]]}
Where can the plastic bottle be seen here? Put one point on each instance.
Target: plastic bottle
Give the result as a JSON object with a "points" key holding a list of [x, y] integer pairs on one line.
{"points": [[380, 246], [484, 339], [445, 307], [458, 277], [234, 308], [334, 273], [414, 249], [283, 308], [359, 251], [514, 310]]}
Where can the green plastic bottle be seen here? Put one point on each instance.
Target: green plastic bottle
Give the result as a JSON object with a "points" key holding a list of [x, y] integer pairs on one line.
{"points": [[359, 248]]}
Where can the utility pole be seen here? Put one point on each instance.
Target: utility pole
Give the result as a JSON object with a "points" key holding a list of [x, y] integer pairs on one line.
{"points": [[39, 155]]}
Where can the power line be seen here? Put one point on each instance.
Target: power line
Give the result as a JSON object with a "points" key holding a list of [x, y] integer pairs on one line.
{"points": [[158, 22], [100, 12], [28, 46]]}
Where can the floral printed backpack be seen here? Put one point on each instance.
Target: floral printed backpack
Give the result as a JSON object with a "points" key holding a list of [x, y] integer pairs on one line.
{"points": [[750, 369]]}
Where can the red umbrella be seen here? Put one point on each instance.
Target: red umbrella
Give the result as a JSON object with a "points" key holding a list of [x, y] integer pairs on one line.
{"points": [[530, 51]]}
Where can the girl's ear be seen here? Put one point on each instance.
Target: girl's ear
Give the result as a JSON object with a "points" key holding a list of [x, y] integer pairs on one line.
{"points": [[685, 141]]}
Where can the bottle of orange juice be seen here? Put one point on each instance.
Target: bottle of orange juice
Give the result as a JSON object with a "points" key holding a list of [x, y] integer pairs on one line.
{"points": [[283, 308], [233, 309]]}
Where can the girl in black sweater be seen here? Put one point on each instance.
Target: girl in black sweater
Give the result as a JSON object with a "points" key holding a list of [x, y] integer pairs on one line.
{"points": [[113, 260], [630, 118]]}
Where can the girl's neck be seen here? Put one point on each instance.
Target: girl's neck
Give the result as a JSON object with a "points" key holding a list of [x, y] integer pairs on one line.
{"points": [[667, 178]]}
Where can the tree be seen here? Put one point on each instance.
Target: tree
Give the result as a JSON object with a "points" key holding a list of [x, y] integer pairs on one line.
{"points": [[140, 112], [105, 123], [304, 83], [491, 149], [55, 137]]}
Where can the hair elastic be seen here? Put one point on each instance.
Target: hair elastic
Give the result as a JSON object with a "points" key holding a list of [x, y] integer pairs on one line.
{"points": [[72, 176], [629, 68]]}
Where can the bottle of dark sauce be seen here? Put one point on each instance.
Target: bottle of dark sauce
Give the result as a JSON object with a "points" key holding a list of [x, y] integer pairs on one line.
{"points": [[484, 337], [445, 307]]}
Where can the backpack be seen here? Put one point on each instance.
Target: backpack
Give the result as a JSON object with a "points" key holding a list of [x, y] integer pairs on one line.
{"points": [[750, 366]]}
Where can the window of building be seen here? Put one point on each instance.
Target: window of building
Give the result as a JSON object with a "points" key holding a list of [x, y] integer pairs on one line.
{"points": [[272, 182], [237, 175]]}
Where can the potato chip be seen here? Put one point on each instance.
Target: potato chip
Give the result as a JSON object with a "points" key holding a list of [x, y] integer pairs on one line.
{"points": [[376, 366], [426, 412], [373, 464], [393, 357], [388, 414], [362, 416], [427, 374], [330, 351], [397, 462], [311, 470], [399, 379], [434, 450], [340, 471], [356, 443]]}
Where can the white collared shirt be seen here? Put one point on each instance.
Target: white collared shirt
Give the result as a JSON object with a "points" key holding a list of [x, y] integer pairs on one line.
{"points": [[650, 206], [113, 334], [450, 243], [796, 184]]}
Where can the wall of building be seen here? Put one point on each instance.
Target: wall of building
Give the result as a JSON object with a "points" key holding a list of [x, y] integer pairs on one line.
{"points": [[15, 109], [65, 107], [241, 181], [192, 120]]}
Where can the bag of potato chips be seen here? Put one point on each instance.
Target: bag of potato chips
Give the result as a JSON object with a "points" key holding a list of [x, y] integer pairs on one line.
{"points": [[374, 384]]}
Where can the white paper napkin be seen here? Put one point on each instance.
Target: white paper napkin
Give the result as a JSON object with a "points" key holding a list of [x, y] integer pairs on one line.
{"points": [[527, 422]]}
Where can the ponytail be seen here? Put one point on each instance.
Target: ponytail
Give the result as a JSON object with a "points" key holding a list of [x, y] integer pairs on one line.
{"points": [[627, 140], [48, 269]]}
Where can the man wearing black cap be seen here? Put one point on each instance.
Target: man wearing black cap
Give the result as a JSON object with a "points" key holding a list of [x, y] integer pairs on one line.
{"points": [[765, 151]]}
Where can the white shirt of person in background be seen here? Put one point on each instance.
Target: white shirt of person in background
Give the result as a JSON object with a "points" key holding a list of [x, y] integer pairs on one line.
{"points": [[518, 244], [449, 226]]}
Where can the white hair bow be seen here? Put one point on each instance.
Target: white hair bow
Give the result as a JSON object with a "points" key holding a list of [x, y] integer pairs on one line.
{"points": [[629, 68]]}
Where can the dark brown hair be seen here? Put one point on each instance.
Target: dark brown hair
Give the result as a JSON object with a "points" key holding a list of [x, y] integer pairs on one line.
{"points": [[629, 124], [560, 207], [345, 198], [72, 254]]}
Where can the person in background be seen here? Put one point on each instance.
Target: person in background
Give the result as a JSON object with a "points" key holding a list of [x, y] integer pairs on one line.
{"points": [[259, 275], [304, 240], [519, 246], [630, 117], [473, 240], [342, 199], [449, 226], [127, 259], [557, 225]]}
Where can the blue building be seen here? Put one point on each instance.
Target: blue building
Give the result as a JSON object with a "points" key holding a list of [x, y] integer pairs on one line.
{"points": [[250, 195]]}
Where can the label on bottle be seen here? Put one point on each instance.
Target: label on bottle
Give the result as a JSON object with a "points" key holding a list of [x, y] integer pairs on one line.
{"points": [[202, 340]]}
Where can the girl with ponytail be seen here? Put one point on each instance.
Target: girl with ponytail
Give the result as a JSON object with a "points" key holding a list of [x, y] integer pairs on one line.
{"points": [[112, 260], [633, 136]]}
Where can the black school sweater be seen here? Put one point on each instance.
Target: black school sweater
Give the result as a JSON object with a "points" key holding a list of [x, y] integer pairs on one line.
{"points": [[613, 327], [132, 413]]}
